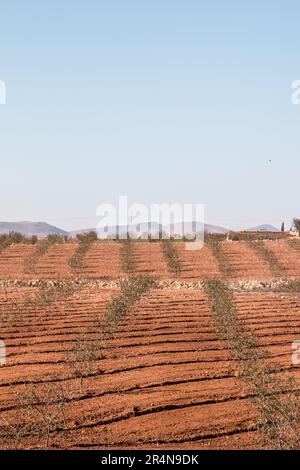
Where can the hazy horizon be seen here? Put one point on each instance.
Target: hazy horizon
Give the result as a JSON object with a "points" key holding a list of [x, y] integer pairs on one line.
{"points": [[145, 222]]}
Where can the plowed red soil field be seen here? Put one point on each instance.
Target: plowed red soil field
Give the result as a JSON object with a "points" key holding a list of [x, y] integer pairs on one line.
{"points": [[275, 319], [165, 380], [244, 262], [38, 335], [12, 261], [102, 261], [197, 264], [287, 257], [149, 260], [54, 264]]}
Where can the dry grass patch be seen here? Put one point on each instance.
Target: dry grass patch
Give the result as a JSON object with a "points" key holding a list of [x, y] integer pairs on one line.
{"points": [[39, 414]]}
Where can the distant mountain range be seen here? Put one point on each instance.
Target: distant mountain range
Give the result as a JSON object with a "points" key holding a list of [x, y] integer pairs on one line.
{"points": [[154, 227], [263, 228], [42, 229]]}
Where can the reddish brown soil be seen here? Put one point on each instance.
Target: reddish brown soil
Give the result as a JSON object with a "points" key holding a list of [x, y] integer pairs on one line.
{"points": [[54, 264], [37, 337], [244, 262], [12, 261], [275, 319], [198, 264], [288, 257], [149, 260], [102, 262], [165, 379], [195, 265]]}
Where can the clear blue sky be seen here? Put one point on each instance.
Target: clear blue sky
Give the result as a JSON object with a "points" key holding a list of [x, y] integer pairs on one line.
{"points": [[161, 100]]}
